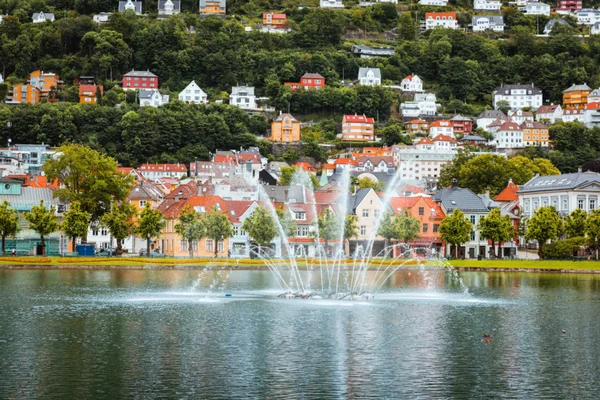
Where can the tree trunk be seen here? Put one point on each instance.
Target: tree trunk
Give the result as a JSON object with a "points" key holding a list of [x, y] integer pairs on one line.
{"points": [[493, 249], [540, 250], [3, 244], [216, 248], [455, 251], [119, 247], [148, 246], [73, 243], [385, 247], [191, 249], [43, 246]]}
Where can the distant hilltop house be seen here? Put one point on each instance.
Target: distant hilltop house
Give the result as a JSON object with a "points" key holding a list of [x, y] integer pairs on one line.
{"points": [[40, 17], [331, 4], [441, 19], [588, 16], [135, 6], [285, 129], [576, 97], [372, 52], [569, 6], [518, 96], [441, 127], [213, 7], [412, 83], [153, 98], [487, 5], [307, 81], [372, 2], [167, 8], [508, 136], [595, 29], [137, 80], [243, 97], [423, 104], [487, 23], [38, 87], [358, 128], [274, 23], [101, 18], [369, 76], [537, 8], [193, 94], [439, 3], [155, 171], [89, 91]]}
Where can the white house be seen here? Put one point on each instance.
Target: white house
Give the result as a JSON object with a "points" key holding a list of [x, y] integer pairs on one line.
{"points": [[42, 17], [135, 6], [439, 3], [369, 76], [594, 96], [101, 18], [551, 113], [412, 83], [537, 8], [518, 96], [487, 23], [440, 19], [372, 2], [331, 4], [573, 115], [520, 116], [167, 8], [423, 104], [591, 115], [193, 94], [441, 127], [588, 16], [595, 29], [487, 5], [153, 98], [243, 97], [509, 136], [487, 117]]}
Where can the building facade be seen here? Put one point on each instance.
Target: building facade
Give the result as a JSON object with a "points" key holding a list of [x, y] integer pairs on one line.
{"points": [[358, 128], [518, 96], [285, 129], [137, 80]]}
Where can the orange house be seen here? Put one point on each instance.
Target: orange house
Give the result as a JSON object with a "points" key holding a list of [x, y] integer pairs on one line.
{"points": [[285, 128], [213, 6], [275, 20], [429, 214], [44, 81], [417, 126], [535, 133], [307, 81], [87, 93], [23, 93], [358, 128], [575, 97]]}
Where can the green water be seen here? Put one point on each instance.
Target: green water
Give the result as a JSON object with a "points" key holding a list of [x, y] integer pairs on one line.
{"points": [[167, 334]]}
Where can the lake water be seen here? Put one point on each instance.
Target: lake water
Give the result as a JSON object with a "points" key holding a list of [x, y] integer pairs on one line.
{"points": [[75, 334]]}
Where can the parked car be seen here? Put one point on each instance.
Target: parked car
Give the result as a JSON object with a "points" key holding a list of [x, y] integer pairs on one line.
{"points": [[108, 252], [153, 253]]}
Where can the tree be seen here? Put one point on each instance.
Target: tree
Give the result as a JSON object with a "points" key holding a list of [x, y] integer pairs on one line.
{"points": [[503, 106], [408, 227], [575, 223], [76, 222], [88, 177], [287, 174], [496, 228], [44, 221], [365, 182], [484, 172], [329, 227], [287, 222], [408, 27], [456, 229], [190, 227], [218, 227], [120, 222], [9, 222], [150, 225], [592, 228], [388, 229], [350, 226], [260, 227], [543, 226]]}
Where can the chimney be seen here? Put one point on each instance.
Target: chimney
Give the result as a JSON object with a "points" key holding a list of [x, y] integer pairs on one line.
{"points": [[454, 183], [579, 169], [509, 181], [487, 193]]}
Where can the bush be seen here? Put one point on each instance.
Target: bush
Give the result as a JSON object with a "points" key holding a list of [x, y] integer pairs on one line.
{"points": [[563, 248]]}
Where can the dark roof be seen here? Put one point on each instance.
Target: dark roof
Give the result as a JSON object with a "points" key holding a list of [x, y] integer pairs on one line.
{"points": [[472, 138], [492, 114], [284, 194], [559, 182], [355, 199], [534, 90], [460, 198]]}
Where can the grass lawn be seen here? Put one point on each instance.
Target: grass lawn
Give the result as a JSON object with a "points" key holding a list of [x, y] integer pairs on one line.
{"points": [[529, 264]]}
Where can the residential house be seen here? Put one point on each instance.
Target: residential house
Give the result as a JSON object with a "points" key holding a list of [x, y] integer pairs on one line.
{"points": [[550, 114], [575, 97], [537, 8], [588, 16], [218, 7], [509, 136], [307, 81], [367, 206], [594, 96], [31, 156], [243, 97], [88, 94], [369, 76], [550, 24], [285, 128], [23, 93], [591, 115], [487, 23], [417, 127], [135, 6], [372, 52], [441, 127], [345, 163], [376, 163], [518, 96], [412, 83], [358, 128], [306, 167], [489, 116], [442, 141], [39, 86], [422, 104], [595, 29], [569, 6], [565, 192], [440, 19], [423, 161], [472, 140], [137, 80], [152, 98], [166, 8], [520, 116], [535, 134], [239, 243], [461, 125], [192, 94], [101, 18], [430, 216], [407, 190], [274, 20], [439, 3], [40, 17], [573, 115], [331, 4], [155, 171], [487, 6], [494, 126]]}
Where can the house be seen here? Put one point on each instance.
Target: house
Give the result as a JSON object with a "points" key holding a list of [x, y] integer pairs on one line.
{"points": [[213, 7], [88, 94], [428, 213], [573, 115], [285, 128], [307, 81], [440, 19], [588, 16], [472, 140], [549, 114], [423, 161], [417, 127], [243, 97], [569, 6], [372, 52], [274, 20], [135, 6], [441, 127], [520, 116], [306, 167], [494, 126], [537, 8], [101, 18], [442, 141], [137, 80], [439, 3], [509, 136], [192, 94], [535, 134], [153, 98], [550, 24], [331, 4], [487, 23], [376, 163], [358, 128], [591, 115], [367, 206], [166, 8], [487, 117], [345, 163], [23, 93], [369, 76], [594, 96], [39, 86], [407, 190], [40, 17], [31, 156], [423, 104], [156, 171], [412, 83], [487, 5], [595, 29], [565, 192], [575, 97], [461, 125], [518, 96]]}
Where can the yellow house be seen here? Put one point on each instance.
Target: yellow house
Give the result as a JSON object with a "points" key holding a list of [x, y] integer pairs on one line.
{"points": [[575, 97], [285, 128]]}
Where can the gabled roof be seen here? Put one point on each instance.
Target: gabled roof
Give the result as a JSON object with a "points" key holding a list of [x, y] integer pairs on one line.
{"points": [[443, 138], [534, 90], [424, 141], [237, 208], [533, 125], [547, 109], [417, 121], [560, 182], [441, 123], [575, 88], [376, 160], [280, 117], [592, 106], [355, 199], [345, 161], [358, 118], [305, 166], [460, 198], [510, 126], [492, 114], [472, 138], [140, 73], [277, 16], [309, 75], [163, 167], [509, 193], [362, 72], [459, 117], [414, 189]]}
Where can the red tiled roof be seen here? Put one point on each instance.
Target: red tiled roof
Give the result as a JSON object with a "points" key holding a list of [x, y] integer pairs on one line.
{"points": [[358, 118], [440, 14], [409, 77], [509, 193], [345, 161], [417, 121], [222, 158], [163, 167], [328, 166], [89, 88], [305, 166], [425, 141], [237, 208], [592, 106], [410, 188], [441, 124], [547, 109], [510, 126], [277, 16], [443, 138], [328, 197]]}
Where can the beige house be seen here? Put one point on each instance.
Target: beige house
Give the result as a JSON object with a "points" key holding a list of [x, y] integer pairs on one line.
{"points": [[367, 206]]}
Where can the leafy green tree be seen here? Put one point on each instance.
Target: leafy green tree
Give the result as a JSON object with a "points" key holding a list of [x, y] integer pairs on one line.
{"points": [[408, 227], [408, 27], [190, 227], [321, 27], [575, 223], [150, 224], [260, 227], [120, 222], [76, 222], [393, 134], [288, 224], [44, 221], [350, 226], [388, 228], [287, 173], [503, 106], [366, 183], [218, 227], [543, 226], [9, 222], [456, 229], [496, 228], [329, 227], [592, 229], [451, 170], [484, 172], [105, 50]]}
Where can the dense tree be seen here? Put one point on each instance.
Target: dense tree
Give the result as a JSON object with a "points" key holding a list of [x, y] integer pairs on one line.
{"points": [[388, 229], [329, 227], [408, 227], [350, 226], [287, 175], [44, 221], [76, 223], [456, 229], [592, 229], [408, 27], [218, 227], [9, 222], [287, 221], [120, 221], [150, 225], [575, 223], [191, 228], [543, 226], [260, 227], [496, 228]]}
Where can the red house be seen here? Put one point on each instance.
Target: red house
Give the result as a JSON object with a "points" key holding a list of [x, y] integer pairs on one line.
{"points": [[136, 80], [461, 125], [569, 6], [307, 81]]}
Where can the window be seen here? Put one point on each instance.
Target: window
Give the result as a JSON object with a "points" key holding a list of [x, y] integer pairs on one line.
{"points": [[473, 219], [209, 245], [365, 212], [592, 204], [421, 210], [236, 230], [376, 213], [220, 245], [436, 228], [580, 203], [363, 230], [142, 203], [302, 231], [300, 215], [425, 228], [183, 245]]}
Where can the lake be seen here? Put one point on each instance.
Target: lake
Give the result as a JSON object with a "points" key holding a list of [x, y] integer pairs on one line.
{"points": [[174, 334]]}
